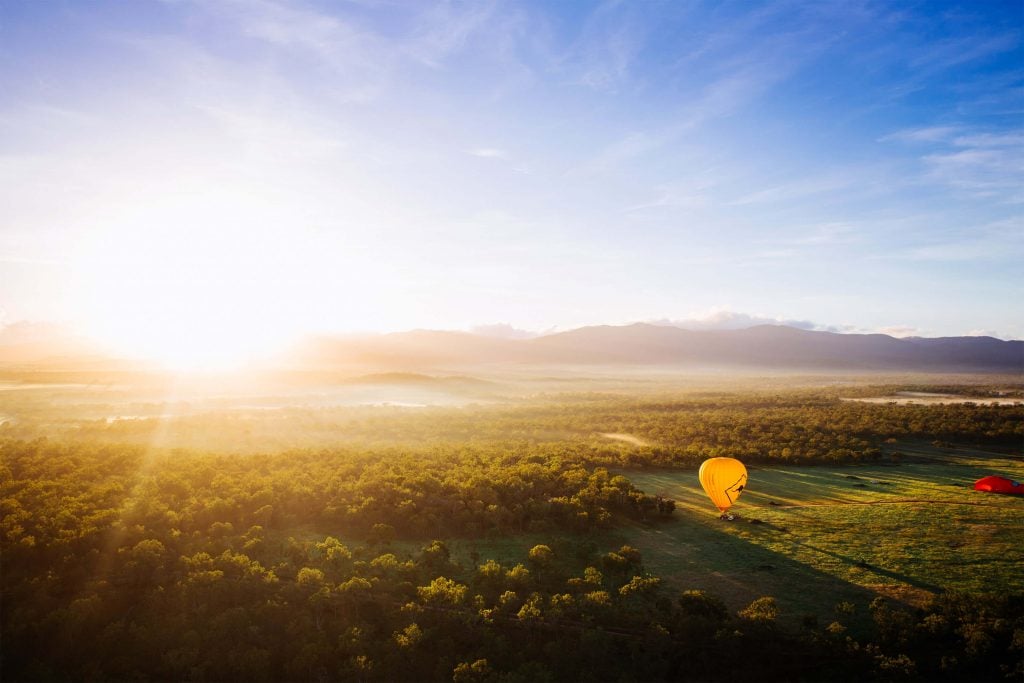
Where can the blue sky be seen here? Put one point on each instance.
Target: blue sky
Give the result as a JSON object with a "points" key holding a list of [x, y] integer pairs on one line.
{"points": [[232, 167]]}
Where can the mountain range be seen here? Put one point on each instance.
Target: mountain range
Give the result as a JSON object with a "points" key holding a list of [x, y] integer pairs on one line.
{"points": [[762, 346]]}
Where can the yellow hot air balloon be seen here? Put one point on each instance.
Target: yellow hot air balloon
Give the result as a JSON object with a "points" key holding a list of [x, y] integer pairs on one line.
{"points": [[723, 480]]}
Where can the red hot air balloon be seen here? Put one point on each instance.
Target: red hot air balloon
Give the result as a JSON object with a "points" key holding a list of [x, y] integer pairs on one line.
{"points": [[995, 484]]}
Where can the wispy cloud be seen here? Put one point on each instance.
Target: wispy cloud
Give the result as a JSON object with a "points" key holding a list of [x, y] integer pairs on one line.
{"points": [[675, 197], [274, 136], [1001, 240], [1009, 139], [977, 163], [720, 98], [943, 55], [445, 28], [603, 53], [982, 172], [631, 146], [502, 331], [741, 86], [965, 251], [608, 67], [488, 153], [837, 233], [360, 60], [923, 134], [797, 189], [722, 77]]}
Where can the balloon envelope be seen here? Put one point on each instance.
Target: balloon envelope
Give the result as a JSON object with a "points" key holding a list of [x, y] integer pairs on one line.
{"points": [[999, 485], [723, 480]]}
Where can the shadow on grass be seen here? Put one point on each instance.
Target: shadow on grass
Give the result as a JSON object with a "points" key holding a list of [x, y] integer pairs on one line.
{"points": [[748, 560], [812, 558], [875, 569], [694, 552]]}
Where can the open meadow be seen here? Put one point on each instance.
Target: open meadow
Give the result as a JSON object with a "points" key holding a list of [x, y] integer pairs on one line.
{"points": [[814, 536]]}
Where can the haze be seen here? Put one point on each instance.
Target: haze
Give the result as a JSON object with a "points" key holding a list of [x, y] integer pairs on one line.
{"points": [[200, 181]]}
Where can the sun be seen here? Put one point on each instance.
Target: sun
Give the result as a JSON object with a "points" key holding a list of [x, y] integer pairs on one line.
{"points": [[191, 344], [192, 288], [203, 275], [209, 327]]}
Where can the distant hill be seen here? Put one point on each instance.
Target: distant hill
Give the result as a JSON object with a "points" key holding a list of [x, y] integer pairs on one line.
{"points": [[764, 346], [46, 346], [783, 347], [408, 350]]}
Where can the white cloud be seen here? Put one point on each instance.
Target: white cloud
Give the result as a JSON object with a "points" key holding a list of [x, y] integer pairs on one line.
{"points": [[502, 331], [720, 319], [723, 319], [899, 331]]}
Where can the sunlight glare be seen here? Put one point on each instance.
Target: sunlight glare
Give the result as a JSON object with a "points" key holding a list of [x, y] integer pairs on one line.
{"points": [[194, 284]]}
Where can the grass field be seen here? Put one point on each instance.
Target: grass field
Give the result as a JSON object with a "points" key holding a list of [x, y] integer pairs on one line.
{"points": [[844, 533], [850, 533]]}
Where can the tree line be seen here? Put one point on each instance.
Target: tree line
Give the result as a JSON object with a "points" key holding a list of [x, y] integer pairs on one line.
{"points": [[795, 427]]}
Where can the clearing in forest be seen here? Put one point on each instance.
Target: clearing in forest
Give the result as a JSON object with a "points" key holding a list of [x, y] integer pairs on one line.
{"points": [[815, 536]]}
